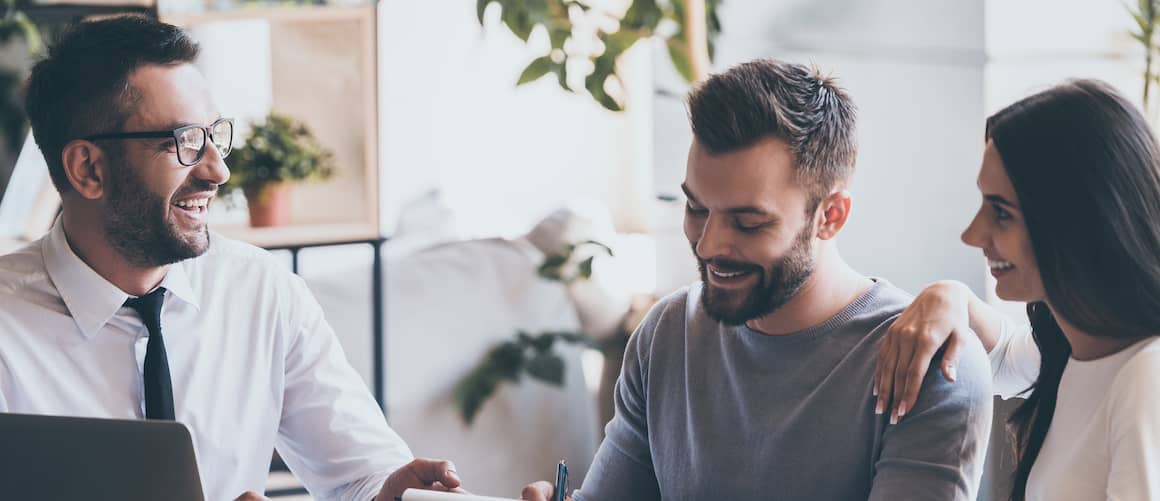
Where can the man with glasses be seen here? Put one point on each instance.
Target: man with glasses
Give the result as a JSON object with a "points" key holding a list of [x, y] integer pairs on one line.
{"points": [[131, 308]]}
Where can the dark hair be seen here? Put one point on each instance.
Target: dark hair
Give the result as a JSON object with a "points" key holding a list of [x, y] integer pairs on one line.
{"points": [[769, 98], [1086, 169], [81, 87]]}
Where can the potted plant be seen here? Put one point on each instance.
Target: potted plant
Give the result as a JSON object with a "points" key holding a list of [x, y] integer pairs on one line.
{"points": [[275, 154]]}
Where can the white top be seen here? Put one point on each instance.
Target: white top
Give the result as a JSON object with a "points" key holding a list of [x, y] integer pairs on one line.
{"points": [[1104, 440], [253, 363]]}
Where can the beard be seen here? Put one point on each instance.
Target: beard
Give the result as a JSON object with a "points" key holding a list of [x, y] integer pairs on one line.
{"points": [[137, 226], [776, 284]]}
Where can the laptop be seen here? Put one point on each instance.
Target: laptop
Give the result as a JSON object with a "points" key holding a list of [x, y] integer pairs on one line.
{"points": [[51, 457]]}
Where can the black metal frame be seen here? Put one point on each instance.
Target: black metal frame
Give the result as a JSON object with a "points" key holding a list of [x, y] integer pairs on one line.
{"points": [[207, 138], [376, 300]]}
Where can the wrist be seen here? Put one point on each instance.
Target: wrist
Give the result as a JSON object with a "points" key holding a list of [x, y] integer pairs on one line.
{"points": [[951, 290]]}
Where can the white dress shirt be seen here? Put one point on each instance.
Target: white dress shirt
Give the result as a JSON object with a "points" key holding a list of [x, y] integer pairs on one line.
{"points": [[253, 362], [1104, 439]]}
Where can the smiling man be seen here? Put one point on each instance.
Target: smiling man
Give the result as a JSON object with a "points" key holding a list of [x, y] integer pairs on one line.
{"points": [[756, 383], [131, 308]]}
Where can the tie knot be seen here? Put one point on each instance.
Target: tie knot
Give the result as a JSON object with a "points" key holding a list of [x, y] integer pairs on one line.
{"points": [[149, 305]]}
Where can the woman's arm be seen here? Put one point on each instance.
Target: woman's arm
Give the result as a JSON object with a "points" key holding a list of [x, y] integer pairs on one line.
{"points": [[945, 315]]}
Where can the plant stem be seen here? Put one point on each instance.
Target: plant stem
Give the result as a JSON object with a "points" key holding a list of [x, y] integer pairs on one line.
{"points": [[696, 29], [1147, 74], [1150, 15]]}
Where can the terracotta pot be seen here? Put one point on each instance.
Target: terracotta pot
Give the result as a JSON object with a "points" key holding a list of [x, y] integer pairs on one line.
{"points": [[270, 206]]}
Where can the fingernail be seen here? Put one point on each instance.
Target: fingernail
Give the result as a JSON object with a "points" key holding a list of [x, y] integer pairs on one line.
{"points": [[875, 391], [901, 409], [894, 419], [878, 408], [951, 372]]}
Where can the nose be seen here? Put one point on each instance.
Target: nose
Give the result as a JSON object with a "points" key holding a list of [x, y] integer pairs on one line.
{"points": [[976, 234], [712, 238], [212, 167]]}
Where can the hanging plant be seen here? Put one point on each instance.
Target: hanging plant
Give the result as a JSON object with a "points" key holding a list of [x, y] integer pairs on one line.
{"points": [[688, 28]]}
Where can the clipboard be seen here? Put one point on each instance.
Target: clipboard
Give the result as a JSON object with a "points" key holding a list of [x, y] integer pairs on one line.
{"points": [[421, 495]]}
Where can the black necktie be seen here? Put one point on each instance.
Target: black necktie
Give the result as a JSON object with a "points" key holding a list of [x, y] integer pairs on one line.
{"points": [[158, 387]]}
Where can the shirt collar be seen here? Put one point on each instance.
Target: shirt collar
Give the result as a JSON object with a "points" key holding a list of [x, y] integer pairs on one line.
{"points": [[91, 300]]}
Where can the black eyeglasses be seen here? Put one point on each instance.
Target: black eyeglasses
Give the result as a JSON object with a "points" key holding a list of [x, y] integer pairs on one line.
{"points": [[190, 139]]}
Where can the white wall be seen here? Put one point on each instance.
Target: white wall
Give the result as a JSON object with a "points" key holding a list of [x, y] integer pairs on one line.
{"points": [[915, 70], [452, 119]]}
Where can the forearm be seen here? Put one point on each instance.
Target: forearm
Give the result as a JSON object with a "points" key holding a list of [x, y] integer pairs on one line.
{"points": [[614, 475]]}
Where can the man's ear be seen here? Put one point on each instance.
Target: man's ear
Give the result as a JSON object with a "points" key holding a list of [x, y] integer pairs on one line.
{"points": [[835, 211], [86, 166]]}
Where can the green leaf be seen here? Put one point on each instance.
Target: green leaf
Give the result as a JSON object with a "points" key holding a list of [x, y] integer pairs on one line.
{"points": [[547, 367], [595, 85], [480, 8], [608, 102], [642, 14], [680, 58], [504, 362], [518, 20], [551, 267], [586, 268], [31, 33], [583, 6], [558, 35], [562, 75], [507, 360], [543, 342], [617, 42], [600, 244], [537, 69]]}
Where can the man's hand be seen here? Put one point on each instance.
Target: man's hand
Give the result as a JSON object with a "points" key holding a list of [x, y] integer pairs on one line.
{"points": [[938, 317], [426, 474], [540, 491], [252, 496]]}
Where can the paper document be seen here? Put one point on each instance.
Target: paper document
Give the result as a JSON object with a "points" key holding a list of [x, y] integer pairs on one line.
{"points": [[418, 495]]}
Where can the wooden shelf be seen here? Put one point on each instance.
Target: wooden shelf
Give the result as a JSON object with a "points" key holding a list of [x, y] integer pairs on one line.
{"points": [[271, 12]]}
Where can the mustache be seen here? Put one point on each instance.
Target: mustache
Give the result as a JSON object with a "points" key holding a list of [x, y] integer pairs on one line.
{"points": [[196, 186]]}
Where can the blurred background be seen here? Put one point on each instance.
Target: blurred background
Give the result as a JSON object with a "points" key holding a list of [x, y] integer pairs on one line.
{"points": [[483, 248]]}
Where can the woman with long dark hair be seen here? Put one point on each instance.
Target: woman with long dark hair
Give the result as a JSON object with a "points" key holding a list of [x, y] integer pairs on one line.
{"points": [[1070, 224]]}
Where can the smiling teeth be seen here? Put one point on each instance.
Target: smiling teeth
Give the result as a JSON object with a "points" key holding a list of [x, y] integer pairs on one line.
{"points": [[189, 204], [728, 275], [999, 265]]}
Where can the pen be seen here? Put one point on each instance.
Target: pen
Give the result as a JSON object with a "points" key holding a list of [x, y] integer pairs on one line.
{"points": [[561, 480]]}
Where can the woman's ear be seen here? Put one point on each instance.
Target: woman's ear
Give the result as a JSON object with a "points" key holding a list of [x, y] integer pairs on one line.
{"points": [[85, 166], [835, 211]]}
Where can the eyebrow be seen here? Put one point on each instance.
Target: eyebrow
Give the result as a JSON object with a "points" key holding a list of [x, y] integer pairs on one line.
{"points": [[178, 125], [996, 199], [741, 210]]}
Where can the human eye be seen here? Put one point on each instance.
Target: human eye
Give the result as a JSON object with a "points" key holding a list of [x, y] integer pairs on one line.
{"points": [[695, 210], [749, 228], [1001, 214]]}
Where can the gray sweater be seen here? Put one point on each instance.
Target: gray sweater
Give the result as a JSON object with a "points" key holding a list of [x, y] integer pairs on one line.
{"points": [[710, 412]]}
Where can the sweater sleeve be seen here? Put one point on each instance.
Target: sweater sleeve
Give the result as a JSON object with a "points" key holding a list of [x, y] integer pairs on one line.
{"points": [[623, 467], [936, 451], [1134, 429], [1014, 360]]}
